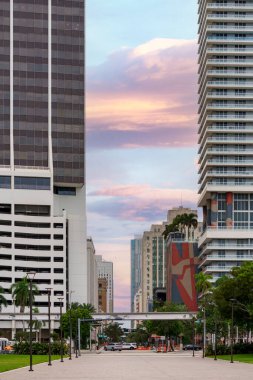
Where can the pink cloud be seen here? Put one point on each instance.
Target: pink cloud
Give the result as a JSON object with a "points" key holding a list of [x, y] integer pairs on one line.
{"points": [[138, 202], [144, 96]]}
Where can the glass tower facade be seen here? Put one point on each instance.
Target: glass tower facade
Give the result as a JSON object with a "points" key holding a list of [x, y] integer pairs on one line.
{"points": [[42, 193]]}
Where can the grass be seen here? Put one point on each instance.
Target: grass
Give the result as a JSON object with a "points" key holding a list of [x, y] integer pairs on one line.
{"points": [[12, 361], [243, 358]]}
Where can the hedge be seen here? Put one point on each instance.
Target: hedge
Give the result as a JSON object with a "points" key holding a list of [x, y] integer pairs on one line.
{"points": [[23, 348]]}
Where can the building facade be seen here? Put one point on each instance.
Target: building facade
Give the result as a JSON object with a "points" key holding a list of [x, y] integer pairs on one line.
{"points": [[105, 271], [225, 134], [182, 265], [102, 295], [42, 189], [136, 259], [92, 275]]}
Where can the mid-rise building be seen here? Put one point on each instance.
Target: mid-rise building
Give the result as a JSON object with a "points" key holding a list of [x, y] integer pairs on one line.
{"points": [[105, 270], [225, 134], [42, 181]]}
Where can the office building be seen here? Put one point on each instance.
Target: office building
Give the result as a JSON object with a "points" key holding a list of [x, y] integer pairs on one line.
{"points": [[105, 271], [42, 180], [225, 134]]}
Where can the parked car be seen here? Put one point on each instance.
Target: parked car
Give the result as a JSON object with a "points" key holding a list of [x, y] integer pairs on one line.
{"points": [[129, 346], [189, 347], [113, 347]]}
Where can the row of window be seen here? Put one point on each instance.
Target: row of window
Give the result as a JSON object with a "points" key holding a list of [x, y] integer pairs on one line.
{"points": [[32, 247], [35, 281], [40, 259], [31, 210], [30, 236], [27, 183], [30, 224]]}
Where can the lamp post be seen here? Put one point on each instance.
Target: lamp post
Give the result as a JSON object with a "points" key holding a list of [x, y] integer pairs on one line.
{"points": [[232, 330], [70, 323], [61, 299], [30, 276], [204, 332], [193, 337], [49, 325]]}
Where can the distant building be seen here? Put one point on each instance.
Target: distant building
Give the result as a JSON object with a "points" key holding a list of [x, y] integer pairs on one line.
{"points": [[136, 261], [92, 279], [102, 295], [105, 270], [154, 258]]}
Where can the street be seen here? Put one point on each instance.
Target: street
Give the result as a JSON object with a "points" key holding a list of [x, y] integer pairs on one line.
{"points": [[135, 365]]}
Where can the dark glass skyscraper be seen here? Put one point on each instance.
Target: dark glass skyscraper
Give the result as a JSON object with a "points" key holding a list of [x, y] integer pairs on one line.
{"points": [[42, 145]]}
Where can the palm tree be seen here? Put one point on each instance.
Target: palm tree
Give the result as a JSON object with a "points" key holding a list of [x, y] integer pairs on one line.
{"points": [[168, 229], [190, 220], [203, 283], [3, 301], [21, 292]]}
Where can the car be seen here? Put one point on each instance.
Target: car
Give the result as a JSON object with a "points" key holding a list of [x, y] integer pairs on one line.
{"points": [[129, 346], [113, 347], [189, 347]]}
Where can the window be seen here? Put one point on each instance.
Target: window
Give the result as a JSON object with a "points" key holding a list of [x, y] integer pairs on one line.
{"points": [[64, 190], [31, 224], [5, 182], [5, 208], [33, 210], [58, 237], [58, 248], [32, 183], [5, 222]]}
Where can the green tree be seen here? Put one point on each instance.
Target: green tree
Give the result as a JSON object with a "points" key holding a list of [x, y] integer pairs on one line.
{"points": [[140, 336], [3, 301], [76, 311], [114, 332], [21, 293], [168, 328], [169, 228], [237, 288], [203, 283]]}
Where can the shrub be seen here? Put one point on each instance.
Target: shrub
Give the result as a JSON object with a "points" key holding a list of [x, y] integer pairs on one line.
{"points": [[23, 348], [238, 348]]}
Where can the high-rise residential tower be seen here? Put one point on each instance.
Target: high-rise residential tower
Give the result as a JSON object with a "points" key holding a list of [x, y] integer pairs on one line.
{"points": [[226, 133], [42, 192]]}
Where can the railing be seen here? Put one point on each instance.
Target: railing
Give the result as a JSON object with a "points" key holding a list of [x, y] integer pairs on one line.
{"points": [[229, 27], [227, 5]]}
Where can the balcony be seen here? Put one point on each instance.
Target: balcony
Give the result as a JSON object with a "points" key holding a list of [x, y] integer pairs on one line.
{"points": [[227, 6], [230, 28], [210, 258]]}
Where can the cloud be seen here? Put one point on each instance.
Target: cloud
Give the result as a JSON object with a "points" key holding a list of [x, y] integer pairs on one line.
{"points": [[144, 96], [138, 202]]}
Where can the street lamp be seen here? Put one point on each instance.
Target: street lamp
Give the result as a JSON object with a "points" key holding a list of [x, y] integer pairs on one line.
{"points": [[193, 337], [61, 299], [204, 330], [232, 329], [70, 323], [49, 325], [30, 276]]}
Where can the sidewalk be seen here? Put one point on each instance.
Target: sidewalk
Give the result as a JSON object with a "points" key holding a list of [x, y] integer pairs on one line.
{"points": [[134, 366]]}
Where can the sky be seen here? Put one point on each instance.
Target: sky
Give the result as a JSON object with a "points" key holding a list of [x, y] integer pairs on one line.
{"points": [[141, 122]]}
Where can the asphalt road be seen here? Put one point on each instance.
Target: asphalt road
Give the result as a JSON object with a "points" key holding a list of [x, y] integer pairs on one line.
{"points": [[135, 365]]}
